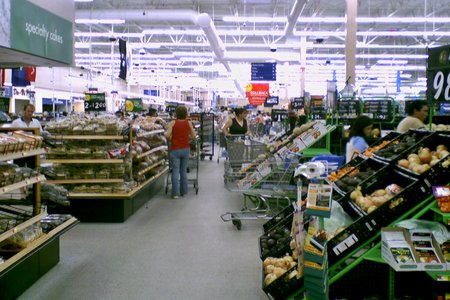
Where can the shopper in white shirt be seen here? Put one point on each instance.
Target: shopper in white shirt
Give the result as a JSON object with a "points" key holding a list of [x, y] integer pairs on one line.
{"points": [[27, 120], [417, 111]]}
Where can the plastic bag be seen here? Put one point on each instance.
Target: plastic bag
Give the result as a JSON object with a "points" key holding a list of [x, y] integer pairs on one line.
{"points": [[440, 232], [339, 218]]}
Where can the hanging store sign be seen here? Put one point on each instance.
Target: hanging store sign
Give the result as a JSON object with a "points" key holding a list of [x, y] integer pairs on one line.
{"points": [[133, 104], [37, 31], [438, 74], [264, 71], [257, 93], [94, 102]]}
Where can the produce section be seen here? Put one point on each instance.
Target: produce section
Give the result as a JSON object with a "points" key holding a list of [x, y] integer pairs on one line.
{"points": [[374, 191]]}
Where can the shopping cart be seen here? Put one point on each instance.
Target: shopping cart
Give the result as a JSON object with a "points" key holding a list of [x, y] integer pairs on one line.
{"points": [[267, 186], [193, 164], [222, 146]]}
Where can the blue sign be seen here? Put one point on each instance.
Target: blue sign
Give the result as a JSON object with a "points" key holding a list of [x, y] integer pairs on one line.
{"points": [[264, 72]]}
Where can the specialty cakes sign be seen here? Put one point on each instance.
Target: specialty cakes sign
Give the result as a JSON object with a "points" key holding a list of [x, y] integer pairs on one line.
{"points": [[257, 93]]}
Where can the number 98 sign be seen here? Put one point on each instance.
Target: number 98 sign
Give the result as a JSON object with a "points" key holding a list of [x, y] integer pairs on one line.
{"points": [[438, 74], [441, 86]]}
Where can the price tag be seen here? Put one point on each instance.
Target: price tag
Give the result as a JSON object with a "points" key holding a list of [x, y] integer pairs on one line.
{"points": [[95, 102]]}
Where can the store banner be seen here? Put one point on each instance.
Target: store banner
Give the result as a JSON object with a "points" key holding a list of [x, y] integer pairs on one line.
{"points": [[123, 59], [19, 76], [37, 31], [257, 93], [30, 73], [133, 104]]}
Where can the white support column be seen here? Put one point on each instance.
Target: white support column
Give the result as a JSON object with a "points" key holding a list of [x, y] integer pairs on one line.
{"points": [[302, 64], [350, 40]]}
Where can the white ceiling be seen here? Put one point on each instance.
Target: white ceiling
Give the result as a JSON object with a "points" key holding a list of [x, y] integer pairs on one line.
{"points": [[176, 47]]}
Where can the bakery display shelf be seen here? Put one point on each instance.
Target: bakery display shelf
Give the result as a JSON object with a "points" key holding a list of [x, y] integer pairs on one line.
{"points": [[152, 151], [38, 242], [22, 154], [142, 172], [116, 195], [84, 161], [81, 181], [89, 137], [20, 184], [149, 133], [21, 226], [114, 207]]}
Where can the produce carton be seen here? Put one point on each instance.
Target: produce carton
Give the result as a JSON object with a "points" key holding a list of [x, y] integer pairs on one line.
{"points": [[319, 200], [313, 269], [411, 251], [316, 283], [313, 134]]}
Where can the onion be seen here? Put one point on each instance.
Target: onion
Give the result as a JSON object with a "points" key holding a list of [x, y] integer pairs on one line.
{"points": [[404, 163], [425, 155], [443, 153], [441, 147], [434, 161]]}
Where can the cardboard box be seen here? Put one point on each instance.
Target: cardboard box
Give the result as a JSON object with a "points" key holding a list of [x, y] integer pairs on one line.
{"points": [[313, 134], [411, 251], [312, 269], [319, 200]]}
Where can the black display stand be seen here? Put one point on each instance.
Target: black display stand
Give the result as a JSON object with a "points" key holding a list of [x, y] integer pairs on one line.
{"points": [[114, 208], [17, 279]]}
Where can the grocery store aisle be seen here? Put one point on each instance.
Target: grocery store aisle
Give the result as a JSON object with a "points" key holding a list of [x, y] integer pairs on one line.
{"points": [[170, 249]]}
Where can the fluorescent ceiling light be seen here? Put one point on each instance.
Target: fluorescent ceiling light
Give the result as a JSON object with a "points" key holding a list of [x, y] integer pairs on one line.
{"points": [[107, 34], [83, 0], [99, 21], [392, 62], [255, 19], [419, 20]]}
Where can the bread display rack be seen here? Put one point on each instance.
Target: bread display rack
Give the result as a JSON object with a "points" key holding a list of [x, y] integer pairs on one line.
{"points": [[111, 176], [29, 236]]}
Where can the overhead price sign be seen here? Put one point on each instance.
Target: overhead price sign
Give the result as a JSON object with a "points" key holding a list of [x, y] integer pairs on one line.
{"points": [[438, 74], [257, 93], [264, 71], [298, 103], [133, 104], [94, 102]]}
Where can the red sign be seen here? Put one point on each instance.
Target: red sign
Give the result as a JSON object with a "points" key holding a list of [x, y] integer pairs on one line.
{"points": [[30, 73], [257, 93]]}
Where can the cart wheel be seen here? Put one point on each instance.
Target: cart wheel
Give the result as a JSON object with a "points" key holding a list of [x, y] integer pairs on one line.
{"points": [[210, 157], [237, 224], [196, 190]]}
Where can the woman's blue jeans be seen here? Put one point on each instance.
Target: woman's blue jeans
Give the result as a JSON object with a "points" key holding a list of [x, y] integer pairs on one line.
{"points": [[179, 162]]}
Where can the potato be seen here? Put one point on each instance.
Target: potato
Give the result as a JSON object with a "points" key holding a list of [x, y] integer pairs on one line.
{"points": [[404, 163]]}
